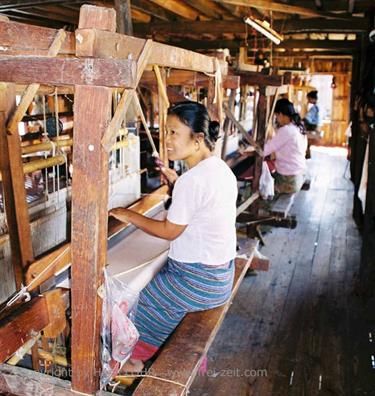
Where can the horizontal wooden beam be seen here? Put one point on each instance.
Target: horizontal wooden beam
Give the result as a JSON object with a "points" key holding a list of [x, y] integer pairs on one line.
{"points": [[219, 27], [21, 325], [152, 10], [179, 8], [8, 4], [313, 54], [189, 78], [254, 78], [348, 25], [103, 44], [339, 5], [68, 71], [279, 7], [24, 382], [21, 39], [334, 45]]}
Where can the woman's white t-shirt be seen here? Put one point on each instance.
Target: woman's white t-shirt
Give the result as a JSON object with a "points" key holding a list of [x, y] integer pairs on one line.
{"points": [[204, 199]]}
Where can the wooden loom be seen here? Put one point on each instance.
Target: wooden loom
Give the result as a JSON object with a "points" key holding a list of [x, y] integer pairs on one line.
{"points": [[85, 59], [94, 60]]}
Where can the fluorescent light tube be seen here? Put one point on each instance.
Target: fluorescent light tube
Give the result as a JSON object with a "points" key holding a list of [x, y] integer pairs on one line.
{"points": [[264, 28]]}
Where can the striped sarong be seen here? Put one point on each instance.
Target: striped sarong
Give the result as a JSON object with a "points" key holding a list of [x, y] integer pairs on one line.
{"points": [[177, 289]]}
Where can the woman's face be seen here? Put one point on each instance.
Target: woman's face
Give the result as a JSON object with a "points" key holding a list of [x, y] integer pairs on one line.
{"points": [[282, 119], [179, 141]]}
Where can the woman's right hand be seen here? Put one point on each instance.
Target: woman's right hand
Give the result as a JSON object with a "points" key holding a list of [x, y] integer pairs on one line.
{"points": [[168, 175]]}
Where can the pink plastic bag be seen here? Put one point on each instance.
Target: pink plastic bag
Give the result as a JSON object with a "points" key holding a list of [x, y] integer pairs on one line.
{"points": [[119, 334], [124, 333]]}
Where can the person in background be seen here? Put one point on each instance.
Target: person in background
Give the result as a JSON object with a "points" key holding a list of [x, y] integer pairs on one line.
{"points": [[312, 120], [289, 147], [200, 224], [312, 117]]}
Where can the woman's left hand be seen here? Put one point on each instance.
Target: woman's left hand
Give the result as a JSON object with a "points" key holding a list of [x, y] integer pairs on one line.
{"points": [[119, 214]]}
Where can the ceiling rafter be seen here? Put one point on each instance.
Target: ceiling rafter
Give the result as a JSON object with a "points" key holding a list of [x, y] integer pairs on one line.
{"points": [[153, 10], [179, 8], [333, 45], [280, 7], [220, 27]]}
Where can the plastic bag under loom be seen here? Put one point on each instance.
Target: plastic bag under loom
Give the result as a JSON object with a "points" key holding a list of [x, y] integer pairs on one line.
{"points": [[266, 183], [118, 334]]}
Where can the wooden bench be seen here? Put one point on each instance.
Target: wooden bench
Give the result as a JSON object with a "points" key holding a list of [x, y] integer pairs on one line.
{"points": [[283, 204], [182, 355]]}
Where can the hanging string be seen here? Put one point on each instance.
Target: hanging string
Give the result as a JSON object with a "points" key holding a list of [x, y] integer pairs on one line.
{"points": [[45, 135], [24, 290], [57, 139]]}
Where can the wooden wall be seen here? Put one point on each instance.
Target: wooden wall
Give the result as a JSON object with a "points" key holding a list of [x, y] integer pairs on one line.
{"points": [[334, 133]]}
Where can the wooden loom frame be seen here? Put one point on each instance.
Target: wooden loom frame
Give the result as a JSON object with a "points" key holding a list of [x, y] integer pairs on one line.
{"points": [[96, 48], [84, 61]]}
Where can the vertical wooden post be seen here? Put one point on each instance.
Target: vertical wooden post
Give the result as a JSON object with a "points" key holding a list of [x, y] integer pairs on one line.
{"points": [[92, 112], [14, 192], [124, 17], [162, 120], [228, 123], [212, 107], [261, 133]]}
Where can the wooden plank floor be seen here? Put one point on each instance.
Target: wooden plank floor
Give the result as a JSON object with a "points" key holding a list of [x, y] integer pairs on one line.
{"points": [[299, 328]]}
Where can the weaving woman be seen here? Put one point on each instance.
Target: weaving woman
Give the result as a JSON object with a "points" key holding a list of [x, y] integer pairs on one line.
{"points": [[200, 224], [289, 146]]}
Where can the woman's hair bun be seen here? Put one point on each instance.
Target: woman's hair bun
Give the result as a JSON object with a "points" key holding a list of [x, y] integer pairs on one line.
{"points": [[214, 130]]}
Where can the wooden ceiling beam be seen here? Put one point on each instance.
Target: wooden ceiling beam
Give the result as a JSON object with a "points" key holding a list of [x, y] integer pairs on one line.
{"points": [[207, 8], [32, 20], [153, 10], [44, 14], [339, 5], [60, 10], [334, 45], [351, 24], [178, 8], [8, 4], [312, 54], [234, 11], [279, 7], [140, 15], [218, 28]]}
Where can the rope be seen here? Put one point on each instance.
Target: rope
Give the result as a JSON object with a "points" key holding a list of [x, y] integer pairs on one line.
{"points": [[185, 388], [23, 292]]}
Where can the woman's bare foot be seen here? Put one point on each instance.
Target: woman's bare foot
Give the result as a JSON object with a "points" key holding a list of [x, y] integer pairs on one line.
{"points": [[132, 366]]}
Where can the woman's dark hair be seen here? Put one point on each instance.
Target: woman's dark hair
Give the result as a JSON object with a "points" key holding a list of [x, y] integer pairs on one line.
{"points": [[284, 106], [313, 95], [195, 116]]}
